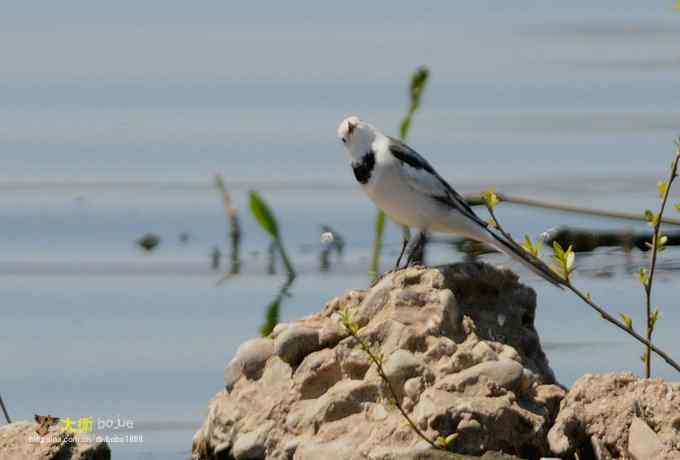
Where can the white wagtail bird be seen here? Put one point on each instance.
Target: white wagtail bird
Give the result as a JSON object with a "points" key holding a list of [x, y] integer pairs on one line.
{"points": [[411, 193]]}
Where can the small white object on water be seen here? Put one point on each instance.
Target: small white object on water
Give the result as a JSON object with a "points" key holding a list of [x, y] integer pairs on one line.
{"points": [[327, 237], [546, 234], [501, 319]]}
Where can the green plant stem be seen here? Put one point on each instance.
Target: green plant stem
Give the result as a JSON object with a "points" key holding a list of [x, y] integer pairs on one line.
{"points": [[652, 265], [377, 243], [286, 261], [603, 313], [364, 346]]}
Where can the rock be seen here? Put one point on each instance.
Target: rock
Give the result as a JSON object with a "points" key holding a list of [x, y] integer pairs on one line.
{"points": [[249, 361], [19, 441], [506, 373], [453, 366], [599, 449], [317, 373], [400, 366], [432, 454], [608, 411], [251, 446], [295, 343], [643, 443]]}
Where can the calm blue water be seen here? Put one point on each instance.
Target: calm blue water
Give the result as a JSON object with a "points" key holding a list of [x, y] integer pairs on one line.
{"points": [[116, 116]]}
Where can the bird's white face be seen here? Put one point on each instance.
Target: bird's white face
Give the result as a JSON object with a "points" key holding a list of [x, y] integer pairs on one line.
{"points": [[356, 136]]}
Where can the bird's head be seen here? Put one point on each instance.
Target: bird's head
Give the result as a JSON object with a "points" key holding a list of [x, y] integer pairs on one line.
{"points": [[356, 135]]}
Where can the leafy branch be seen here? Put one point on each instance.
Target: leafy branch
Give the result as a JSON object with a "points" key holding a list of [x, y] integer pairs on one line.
{"points": [[565, 261], [441, 443], [657, 245]]}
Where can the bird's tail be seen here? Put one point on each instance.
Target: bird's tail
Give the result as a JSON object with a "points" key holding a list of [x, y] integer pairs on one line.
{"points": [[518, 253]]}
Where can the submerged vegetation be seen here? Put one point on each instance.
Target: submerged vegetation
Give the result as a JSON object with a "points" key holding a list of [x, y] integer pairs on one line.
{"points": [[265, 218]]}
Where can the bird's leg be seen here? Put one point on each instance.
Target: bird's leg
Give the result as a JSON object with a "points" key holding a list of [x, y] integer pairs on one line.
{"points": [[413, 246], [406, 236]]}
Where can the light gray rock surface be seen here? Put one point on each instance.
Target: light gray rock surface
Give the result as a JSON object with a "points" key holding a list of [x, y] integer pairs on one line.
{"points": [[249, 360], [643, 443], [19, 441], [453, 364], [619, 416]]}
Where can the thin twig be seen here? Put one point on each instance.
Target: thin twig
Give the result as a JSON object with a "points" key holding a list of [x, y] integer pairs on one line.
{"points": [[364, 346], [652, 264], [4, 410], [603, 313], [234, 226], [475, 200]]}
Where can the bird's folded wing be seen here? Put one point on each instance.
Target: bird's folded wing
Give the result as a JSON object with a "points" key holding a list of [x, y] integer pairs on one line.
{"points": [[421, 177]]}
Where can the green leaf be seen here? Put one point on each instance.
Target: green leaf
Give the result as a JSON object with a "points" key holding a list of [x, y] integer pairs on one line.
{"points": [[450, 439], [559, 252], [416, 89], [677, 207], [530, 247], [656, 315], [643, 276], [627, 320], [650, 217], [418, 82], [263, 215], [569, 259], [564, 259], [271, 317], [490, 198], [662, 187]]}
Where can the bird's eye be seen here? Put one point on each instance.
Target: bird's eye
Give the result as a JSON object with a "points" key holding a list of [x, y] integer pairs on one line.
{"points": [[344, 141]]}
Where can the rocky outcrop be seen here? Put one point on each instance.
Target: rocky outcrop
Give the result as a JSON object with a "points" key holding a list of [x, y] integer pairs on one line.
{"points": [[460, 351], [19, 441], [619, 416]]}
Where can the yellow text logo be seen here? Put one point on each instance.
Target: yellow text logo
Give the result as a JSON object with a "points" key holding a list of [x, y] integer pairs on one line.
{"points": [[82, 425]]}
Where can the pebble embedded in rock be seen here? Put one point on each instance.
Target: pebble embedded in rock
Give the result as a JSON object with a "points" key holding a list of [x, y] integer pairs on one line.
{"points": [[401, 365], [250, 446], [249, 360], [643, 443], [506, 373], [295, 343]]}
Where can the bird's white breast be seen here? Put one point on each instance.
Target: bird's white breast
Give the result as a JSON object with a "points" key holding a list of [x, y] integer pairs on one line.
{"points": [[390, 192]]}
